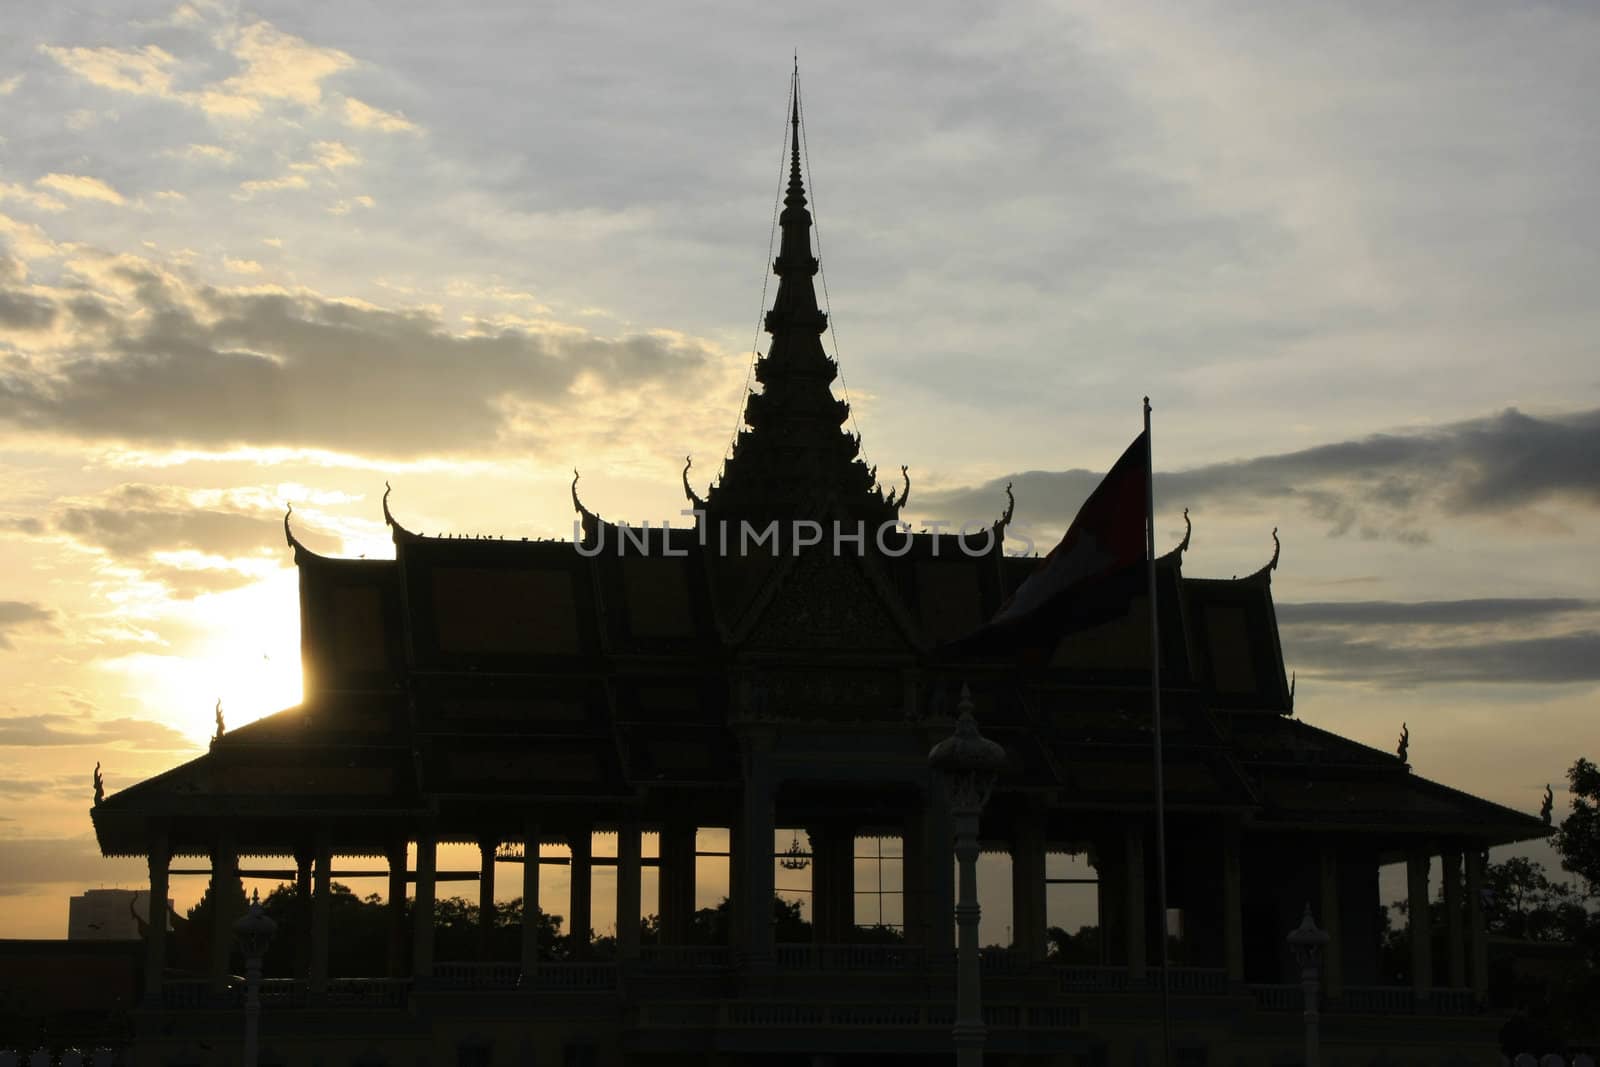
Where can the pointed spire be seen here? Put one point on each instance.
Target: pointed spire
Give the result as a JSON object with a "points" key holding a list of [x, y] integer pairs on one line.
{"points": [[795, 460]]}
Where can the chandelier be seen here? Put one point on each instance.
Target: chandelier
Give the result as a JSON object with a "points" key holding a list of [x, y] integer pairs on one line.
{"points": [[794, 858]]}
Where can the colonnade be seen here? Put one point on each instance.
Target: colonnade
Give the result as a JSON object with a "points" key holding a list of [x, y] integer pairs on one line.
{"points": [[1125, 900]]}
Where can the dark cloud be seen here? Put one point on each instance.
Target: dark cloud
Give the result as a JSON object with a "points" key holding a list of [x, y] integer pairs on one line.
{"points": [[1549, 640], [76, 860], [133, 521], [15, 614], [213, 368], [1432, 612], [21, 311], [1354, 657], [136, 523], [1384, 485], [52, 729]]}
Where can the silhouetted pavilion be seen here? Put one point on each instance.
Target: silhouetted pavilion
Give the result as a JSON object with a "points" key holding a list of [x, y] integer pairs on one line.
{"points": [[509, 692]]}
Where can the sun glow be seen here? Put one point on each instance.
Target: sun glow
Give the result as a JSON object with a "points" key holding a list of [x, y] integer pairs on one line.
{"points": [[246, 653]]}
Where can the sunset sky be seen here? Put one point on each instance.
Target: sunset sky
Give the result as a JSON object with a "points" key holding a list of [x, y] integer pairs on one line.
{"points": [[253, 256]]}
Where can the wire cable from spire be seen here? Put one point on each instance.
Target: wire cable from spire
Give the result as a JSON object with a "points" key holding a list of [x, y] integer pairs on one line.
{"points": [[822, 269], [766, 268]]}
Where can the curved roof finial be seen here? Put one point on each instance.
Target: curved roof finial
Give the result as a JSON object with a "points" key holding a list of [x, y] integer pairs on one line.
{"points": [[688, 461], [1277, 548], [1547, 806], [577, 505], [905, 497], [1011, 507], [1188, 529], [389, 519], [288, 534]]}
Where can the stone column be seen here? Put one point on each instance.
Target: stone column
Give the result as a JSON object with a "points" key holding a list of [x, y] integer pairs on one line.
{"points": [[939, 865], [422, 906], [913, 883], [1029, 924], [224, 887], [397, 909], [677, 882], [486, 849], [581, 844], [1479, 946], [1134, 904], [1417, 922], [1332, 952], [755, 903], [155, 938], [628, 890], [1232, 902], [530, 901], [302, 913], [1454, 936], [321, 898], [832, 881]]}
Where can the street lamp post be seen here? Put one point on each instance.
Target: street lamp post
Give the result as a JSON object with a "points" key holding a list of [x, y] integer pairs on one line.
{"points": [[253, 932], [1306, 941], [969, 763]]}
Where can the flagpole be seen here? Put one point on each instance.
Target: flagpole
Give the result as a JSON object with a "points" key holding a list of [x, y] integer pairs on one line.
{"points": [[1155, 705]]}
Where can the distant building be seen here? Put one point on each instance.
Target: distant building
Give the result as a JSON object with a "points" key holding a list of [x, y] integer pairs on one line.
{"points": [[109, 915], [508, 693]]}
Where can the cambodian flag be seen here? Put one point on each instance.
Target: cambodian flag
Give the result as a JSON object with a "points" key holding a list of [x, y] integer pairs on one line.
{"points": [[1087, 578]]}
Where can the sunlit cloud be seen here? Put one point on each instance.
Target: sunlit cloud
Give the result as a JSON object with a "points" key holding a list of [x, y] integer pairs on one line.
{"points": [[22, 194], [145, 71], [366, 117], [82, 187], [270, 185]]}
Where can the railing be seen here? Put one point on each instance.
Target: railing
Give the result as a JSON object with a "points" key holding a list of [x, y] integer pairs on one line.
{"points": [[570, 976], [1278, 997], [196, 993], [1400, 1000], [812, 1015], [685, 957], [1369, 1000], [1186, 981], [475, 975], [366, 992], [997, 960], [849, 957]]}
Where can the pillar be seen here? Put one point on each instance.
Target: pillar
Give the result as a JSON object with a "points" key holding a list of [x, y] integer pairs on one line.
{"points": [[628, 890], [1134, 900], [397, 909], [1478, 950], [422, 907], [321, 899], [224, 889], [1332, 952], [756, 826], [155, 938], [580, 842], [1417, 922], [1029, 924], [486, 849], [938, 856], [302, 912], [1232, 902], [530, 901], [1454, 935], [677, 881], [833, 902], [913, 883]]}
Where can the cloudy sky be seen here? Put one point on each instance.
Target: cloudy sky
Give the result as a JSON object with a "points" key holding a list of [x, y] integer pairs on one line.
{"points": [[259, 255]]}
